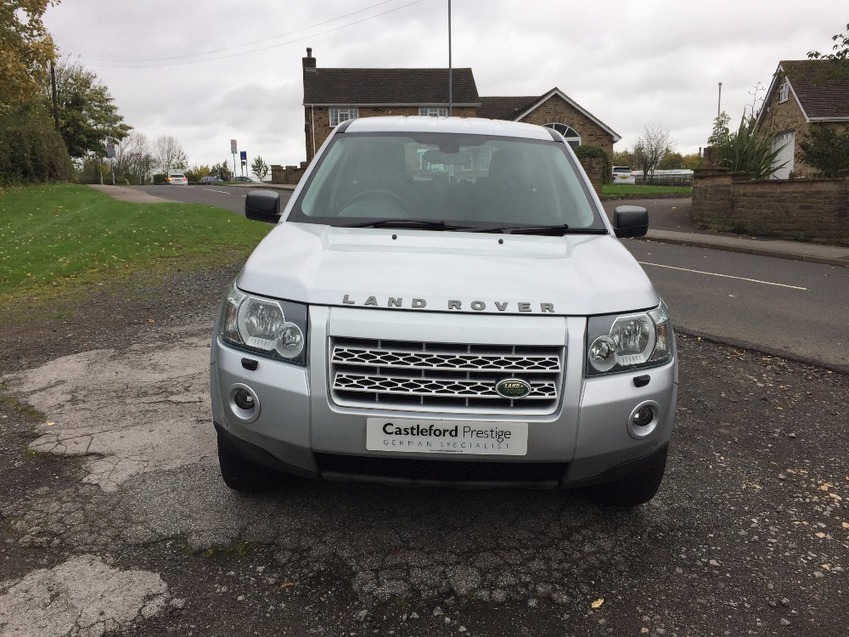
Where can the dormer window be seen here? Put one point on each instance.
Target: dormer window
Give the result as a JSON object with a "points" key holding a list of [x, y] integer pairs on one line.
{"points": [[784, 91]]}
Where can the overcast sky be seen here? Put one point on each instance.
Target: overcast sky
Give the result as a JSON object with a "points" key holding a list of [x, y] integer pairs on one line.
{"points": [[208, 71]]}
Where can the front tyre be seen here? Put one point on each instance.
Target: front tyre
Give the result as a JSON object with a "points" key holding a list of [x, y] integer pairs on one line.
{"points": [[241, 474], [634, 489]]}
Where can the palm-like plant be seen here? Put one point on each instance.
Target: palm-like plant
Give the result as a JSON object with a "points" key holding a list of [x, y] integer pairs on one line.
{"points": [[745, 151]]}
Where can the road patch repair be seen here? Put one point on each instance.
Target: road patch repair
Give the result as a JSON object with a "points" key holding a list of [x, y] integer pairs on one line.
{"points": [[127, 412], [144, 408], [84, 597]]}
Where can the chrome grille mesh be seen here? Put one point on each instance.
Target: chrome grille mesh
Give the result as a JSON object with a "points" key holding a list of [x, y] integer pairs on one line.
{"points": [[443, 376]]}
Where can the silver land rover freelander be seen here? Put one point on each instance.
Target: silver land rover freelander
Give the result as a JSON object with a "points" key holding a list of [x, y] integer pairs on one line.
{"points": [[444, 301]]}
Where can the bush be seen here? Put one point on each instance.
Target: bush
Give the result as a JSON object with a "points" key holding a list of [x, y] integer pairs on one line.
{"points": [[826, 150], [598, 153], [31, 151]]}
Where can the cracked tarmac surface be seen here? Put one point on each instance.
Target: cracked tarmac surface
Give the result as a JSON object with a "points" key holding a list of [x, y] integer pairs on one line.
{"points": [[116, 520], [83, 596], [163, 400]]}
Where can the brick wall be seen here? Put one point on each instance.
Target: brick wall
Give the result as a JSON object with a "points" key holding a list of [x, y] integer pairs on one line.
{"points": [[558, 110], [320, 118], [594, 168], [795, 209]]}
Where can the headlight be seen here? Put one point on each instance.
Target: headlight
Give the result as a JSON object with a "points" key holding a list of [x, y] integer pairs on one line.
{"points": [[629, 341], [277, 329]]}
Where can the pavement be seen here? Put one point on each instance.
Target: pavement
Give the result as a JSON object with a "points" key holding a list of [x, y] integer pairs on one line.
{"points": [[669, 222]]}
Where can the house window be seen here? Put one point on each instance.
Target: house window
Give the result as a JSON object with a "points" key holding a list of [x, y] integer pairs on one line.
{"points": [[784, 91], [429, 111], [571, 135], [339, 115]]}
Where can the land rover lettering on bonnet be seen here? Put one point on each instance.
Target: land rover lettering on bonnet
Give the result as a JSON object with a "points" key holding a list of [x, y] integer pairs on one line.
{"points": [[450, 304], [443, 301]]}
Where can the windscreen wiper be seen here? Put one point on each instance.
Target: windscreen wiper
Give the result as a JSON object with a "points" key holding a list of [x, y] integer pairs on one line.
{"points": [[555, 230], [415, 224]]}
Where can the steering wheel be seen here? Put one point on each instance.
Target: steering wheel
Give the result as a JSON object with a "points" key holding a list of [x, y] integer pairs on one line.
{"points": [[381, 195]]}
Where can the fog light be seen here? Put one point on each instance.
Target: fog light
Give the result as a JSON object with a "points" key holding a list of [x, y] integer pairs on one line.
{"points": [[643, 420], [244, 399], [643, 417], [244, 403]]}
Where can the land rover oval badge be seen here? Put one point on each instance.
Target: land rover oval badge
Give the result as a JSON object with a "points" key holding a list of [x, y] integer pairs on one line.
{"points": [[513, 388]]}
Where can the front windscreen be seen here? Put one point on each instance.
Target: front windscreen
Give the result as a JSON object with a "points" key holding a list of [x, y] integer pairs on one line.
{"points": [[473, 180]]}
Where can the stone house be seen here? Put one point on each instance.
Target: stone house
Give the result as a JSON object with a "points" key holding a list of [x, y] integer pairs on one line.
{"points": [[802, 94], [332, 95]]}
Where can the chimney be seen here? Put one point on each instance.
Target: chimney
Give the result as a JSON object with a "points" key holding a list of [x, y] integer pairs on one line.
{"points": [[309, 62]]}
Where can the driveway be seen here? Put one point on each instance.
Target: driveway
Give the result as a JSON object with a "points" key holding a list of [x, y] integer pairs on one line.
{"points": [[115, 519]]}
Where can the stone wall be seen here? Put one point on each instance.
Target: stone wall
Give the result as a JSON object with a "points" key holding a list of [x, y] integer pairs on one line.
{"points": [[289, 175], [558, 110], [814, 210]]}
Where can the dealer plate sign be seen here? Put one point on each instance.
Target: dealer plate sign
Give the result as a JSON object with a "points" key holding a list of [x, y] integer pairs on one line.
{"points": [[404, 435]]}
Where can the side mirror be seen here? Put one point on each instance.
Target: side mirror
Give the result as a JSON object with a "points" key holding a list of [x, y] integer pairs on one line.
{"points": [[263, 205], [630, 221]]}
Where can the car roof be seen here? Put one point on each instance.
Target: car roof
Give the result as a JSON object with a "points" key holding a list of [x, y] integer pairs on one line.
{"points": [[461, 125]]}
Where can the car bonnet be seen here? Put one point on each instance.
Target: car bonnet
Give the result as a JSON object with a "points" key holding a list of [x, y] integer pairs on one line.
{"points": [[447, 271]]}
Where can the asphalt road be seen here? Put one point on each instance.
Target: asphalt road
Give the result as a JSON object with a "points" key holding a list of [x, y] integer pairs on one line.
{"points": [[792, 308], [227, 197]]}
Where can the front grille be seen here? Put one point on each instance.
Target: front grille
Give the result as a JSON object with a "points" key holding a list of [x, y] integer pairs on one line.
{"points": [[443, 376]]}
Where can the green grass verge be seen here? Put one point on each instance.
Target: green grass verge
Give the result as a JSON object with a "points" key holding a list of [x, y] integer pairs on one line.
{"points": [[644, 192], [60, 239]]}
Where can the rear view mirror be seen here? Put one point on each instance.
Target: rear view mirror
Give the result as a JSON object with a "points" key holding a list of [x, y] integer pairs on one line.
{"points": [[263, 205], [630, 221]]}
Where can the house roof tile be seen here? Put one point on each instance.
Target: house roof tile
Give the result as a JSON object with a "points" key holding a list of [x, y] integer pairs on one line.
{"points": [[358, 87], [504, 107], [821, 86]]}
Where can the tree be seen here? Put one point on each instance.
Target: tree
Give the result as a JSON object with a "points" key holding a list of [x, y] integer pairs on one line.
{"points": [[693, 161], [169, 154], [26, 50], [838, 70], [259, 167], [133, 159], [720, 129], [30, 148], [623, 158], [31, 151], [222, 171], [650, 150], [671, 161], [840, 50], [826, 150], [88, 117]]}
